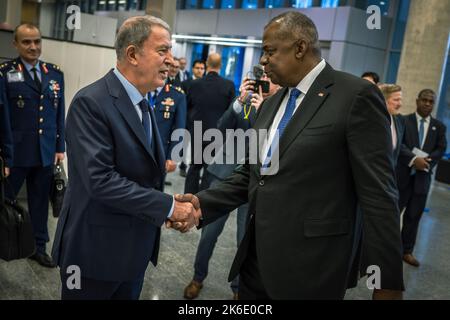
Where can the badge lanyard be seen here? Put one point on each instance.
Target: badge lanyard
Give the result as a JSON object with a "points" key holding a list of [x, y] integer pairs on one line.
{"points": [[247, 113]]}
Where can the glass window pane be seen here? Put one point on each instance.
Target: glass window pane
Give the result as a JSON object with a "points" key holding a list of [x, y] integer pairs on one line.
{"points": [[250, 4], [191, 4], [301, 3], [228, 4], [209, 4], [330, 3], [394, 62], [274, 4], [233, 58]]}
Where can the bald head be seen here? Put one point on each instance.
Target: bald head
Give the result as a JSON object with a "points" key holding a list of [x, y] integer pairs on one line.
{"points": [[214, 62]]}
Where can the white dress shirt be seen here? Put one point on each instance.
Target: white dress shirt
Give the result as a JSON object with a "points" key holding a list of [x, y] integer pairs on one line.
{"points": [[303, 86], [393, 133]]}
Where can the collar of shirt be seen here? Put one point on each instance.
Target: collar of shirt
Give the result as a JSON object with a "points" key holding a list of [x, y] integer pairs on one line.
{"points": [[29, 67], [418, 117], [309, 79], [132, 91]]}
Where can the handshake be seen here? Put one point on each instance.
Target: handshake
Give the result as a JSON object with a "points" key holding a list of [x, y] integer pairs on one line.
{"points": [[186, 213]]}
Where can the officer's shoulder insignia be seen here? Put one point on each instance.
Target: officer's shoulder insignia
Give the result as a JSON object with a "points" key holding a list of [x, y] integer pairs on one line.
{"points": [[179, 90], [6, 65], [53, 67]]}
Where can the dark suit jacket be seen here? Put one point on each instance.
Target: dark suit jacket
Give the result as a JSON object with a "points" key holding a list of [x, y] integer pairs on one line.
{"points": [[208, 98], [113, 209], [335, 153], [400, 129], [435, 145]]}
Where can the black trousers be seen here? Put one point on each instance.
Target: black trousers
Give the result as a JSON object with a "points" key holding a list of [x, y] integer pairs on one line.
{"points": [[39, 181], [92, 289], [414, 204], [251, 286]]}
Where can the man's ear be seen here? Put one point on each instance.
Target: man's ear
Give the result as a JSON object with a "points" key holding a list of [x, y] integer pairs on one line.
{"points": [[130, 55], [301, 47]]}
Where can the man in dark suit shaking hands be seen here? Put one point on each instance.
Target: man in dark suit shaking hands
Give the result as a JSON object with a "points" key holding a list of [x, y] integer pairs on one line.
{"points": [[335, 154], [424, 144], [113, 209]]}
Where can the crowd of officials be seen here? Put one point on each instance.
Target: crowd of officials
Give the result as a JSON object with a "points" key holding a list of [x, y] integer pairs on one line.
{"points": [[149, 95]]}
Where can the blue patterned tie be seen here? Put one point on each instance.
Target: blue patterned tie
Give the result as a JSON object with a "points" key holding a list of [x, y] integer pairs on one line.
{"points": [[146, 123], [421, 132], [290, 107]]}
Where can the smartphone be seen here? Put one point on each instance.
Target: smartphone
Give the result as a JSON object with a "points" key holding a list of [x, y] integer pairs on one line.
{"points": [[263, 84]]}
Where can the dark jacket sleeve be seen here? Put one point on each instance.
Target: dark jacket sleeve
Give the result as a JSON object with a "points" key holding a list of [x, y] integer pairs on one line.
{"points": [[6, 142], [441, 145], [179, 123], [371, 159], [60, 138]]}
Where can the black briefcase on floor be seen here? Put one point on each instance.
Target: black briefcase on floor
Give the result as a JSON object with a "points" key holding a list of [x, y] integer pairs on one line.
{"points": [[16, 231]]}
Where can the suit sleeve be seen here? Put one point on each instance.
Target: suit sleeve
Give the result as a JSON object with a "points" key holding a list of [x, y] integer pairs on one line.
{"points": [[91, 146], [441, 145], [226, 196], [371, 159], [179, 123], [60, 126], [6, 141]]}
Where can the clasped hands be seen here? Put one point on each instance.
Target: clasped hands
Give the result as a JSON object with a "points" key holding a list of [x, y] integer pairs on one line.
{"points": [[186, 213]]}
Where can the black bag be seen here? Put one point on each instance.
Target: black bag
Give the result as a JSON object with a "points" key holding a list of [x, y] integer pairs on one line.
{"points": [[58, 189], [16, 231]]}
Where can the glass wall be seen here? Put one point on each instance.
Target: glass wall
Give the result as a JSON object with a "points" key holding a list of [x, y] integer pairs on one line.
{"points": [[233, 60], [301, 3], [228, 4], [250, 4], [274, 4]]}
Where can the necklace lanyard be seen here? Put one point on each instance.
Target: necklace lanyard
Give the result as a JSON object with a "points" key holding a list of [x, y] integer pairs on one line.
{"points": [[247, 113]]}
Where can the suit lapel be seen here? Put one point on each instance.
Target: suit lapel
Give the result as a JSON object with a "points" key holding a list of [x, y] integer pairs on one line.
{"points": [[415, 132], [161, 156], [124, 105], [428, 145], [312, 102], [45, 79], [28, 80]]}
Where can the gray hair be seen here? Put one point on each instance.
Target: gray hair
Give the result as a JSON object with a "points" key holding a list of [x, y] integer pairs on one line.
{"points": [[134, 31], [296, 25]]}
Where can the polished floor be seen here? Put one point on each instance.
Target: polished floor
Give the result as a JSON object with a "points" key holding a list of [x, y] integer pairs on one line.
{"points": [[25, 279]]}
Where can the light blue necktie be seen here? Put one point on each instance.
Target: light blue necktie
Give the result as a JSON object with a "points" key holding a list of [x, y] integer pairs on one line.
{"points": [[290, 107], [421, 132]]}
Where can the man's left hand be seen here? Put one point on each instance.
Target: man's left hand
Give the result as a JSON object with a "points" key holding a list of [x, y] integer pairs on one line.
{"points": [[384, 294], [171, 165], [59, 157]]}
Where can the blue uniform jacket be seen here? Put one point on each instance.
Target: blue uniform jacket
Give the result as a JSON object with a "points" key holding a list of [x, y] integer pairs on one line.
{"points": [[37, 115], [5, 130], [170, 113]]}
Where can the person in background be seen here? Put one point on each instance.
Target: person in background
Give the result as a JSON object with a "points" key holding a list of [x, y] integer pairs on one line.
{"points": [[183, 74], [424, 143], [393, 95], [371, 76], [33, 92]]}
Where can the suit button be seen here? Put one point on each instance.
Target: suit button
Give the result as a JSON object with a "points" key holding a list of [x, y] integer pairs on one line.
{"points": [[41, 120], [41, 108], [41, 131], [261, 183], [42, 97]]}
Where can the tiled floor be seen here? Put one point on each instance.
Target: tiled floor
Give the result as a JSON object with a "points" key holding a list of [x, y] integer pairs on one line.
{"points": [[25, 279]]}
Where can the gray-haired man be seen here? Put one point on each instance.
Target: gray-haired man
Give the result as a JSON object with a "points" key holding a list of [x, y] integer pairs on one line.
{"points": [[113, 210]]}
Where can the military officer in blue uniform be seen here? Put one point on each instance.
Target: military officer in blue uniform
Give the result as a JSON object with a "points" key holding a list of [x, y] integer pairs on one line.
{"points": [[170, 111], [5, 134], [34, 96]]}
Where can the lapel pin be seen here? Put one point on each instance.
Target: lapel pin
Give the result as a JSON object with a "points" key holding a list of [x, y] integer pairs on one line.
{"points": [[434, 128], [321, 94]]}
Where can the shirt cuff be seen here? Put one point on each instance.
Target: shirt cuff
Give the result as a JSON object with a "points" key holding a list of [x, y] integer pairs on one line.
{"points": [[237, 107], [412, 161], [171, 209]]}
